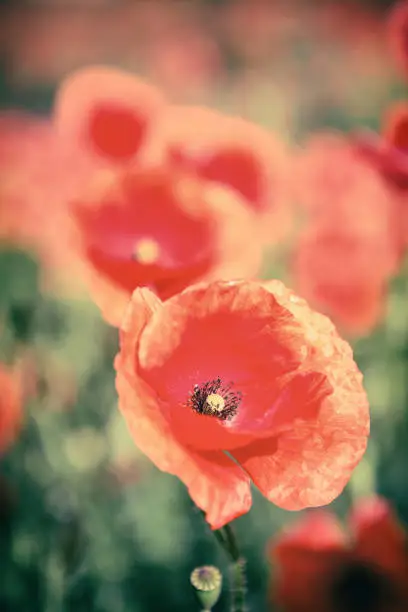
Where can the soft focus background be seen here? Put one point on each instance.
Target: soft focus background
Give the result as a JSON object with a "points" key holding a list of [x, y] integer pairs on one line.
{"points": [[86, 522]]}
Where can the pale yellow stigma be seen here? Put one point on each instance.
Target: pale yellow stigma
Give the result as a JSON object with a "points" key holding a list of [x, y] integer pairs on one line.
{"points": [[216, 402], [146, 251]]}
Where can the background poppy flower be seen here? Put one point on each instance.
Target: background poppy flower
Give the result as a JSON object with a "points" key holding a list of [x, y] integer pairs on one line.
{"points": [[321, 569], [398, 35], [39, 174], [108, 112], [164, 229], [388, 152], [344, 274], [10, 407], [388, 155], [233, 152], [331, 176], [349, 247], [247, 369]]}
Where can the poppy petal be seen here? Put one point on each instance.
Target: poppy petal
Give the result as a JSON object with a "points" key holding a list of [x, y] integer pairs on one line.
{"points": [[379, 537], [216, 484], [233, 152], [10, 407], [311, 464], [307, 555], [235, 331], [398, 35], [108, 111]]}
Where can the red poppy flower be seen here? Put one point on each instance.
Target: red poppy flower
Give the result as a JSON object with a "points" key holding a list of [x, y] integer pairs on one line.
{"points": [[232, 381], [235, 153], [20, 135], [38, 176], [108, 112], [344, 273], [10, 408], [161, 228], [398, 35], [320, 569], [349, 248], [331, 175], [388, 155]]}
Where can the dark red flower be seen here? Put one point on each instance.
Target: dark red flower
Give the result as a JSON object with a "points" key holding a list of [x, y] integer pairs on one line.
{"points": [[320, 569], [233, 152], [108, 112], [10, 407], [163, 229], [349, 248], [247, 369]]}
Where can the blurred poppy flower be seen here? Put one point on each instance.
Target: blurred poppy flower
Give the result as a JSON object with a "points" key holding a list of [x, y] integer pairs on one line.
{"points": [[162, 228], [331, 176], [321, 569], [10, 407], [21, 137], [38, 176], [388, 155], [229, 382], [233, 152], [108, 112], [398, 35], [349, 247]]}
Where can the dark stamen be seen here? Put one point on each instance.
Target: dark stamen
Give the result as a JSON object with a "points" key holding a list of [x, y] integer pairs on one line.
{"points": [[202, 399]]}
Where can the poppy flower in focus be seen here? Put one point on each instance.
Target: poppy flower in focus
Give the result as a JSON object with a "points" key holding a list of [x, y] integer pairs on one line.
{"points": [[10, 407], [321, 569], [108, 112], [349, 247], [164, 229], [233, 152], [398, 35], [228, 382]]}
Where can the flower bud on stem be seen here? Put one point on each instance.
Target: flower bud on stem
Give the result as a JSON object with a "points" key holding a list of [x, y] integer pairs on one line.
{"points": [[207, 583]]}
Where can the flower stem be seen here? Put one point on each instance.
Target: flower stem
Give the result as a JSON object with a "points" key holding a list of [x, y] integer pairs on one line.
{"points": [[227, 539], [238, 587]]}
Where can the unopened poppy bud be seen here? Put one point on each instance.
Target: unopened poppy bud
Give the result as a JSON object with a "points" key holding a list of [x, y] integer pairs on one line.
{"points": [[207, 583]]}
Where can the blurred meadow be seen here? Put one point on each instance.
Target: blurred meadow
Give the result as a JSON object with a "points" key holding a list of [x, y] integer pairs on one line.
{"points": [[87, 522]]}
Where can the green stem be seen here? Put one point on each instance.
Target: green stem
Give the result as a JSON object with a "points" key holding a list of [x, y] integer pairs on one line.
{"points": [[227, 539], [238, 588]]}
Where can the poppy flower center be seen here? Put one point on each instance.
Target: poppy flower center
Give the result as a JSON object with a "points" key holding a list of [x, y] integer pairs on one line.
{"points": [[359, 587], [213, 398], [146, 251]]}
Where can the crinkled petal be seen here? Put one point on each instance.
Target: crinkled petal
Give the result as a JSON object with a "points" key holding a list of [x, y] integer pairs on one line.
{"points": [[311, 464], [237, 332], [216, 484]]}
